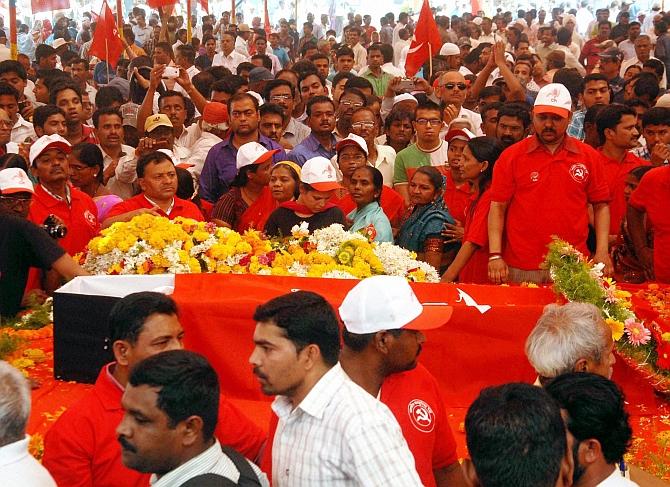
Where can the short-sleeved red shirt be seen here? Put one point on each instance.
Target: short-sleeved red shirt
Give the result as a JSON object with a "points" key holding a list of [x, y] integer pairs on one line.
{"points": [[457, 198], [81, 448], [80, 216], [547, 194], [476, 270], [616, 172], [181, 208], [653, 197]]}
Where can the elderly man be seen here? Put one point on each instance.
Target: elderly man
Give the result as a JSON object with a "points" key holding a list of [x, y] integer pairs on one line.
{"points": [[383, 335], [452, 91], [17, 467], [542, 186], [570, 338]]}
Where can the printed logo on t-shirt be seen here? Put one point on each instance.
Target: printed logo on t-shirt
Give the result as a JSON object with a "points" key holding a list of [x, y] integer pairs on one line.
{"points": [[422, 415], [579, 172], [90, 218], [534, 177]]}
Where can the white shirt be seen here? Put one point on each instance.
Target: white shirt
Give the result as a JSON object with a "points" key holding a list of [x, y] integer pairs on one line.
{"points": [[392, 70], [231, 61], [360, 57], [635, 61], [177, 44], [385, 163], [19, 469], [276, 63], [296, 132], [397, 50], [396, 32], [474, 118], [192, 71], [142, 34], [199, 152], [122, 189], [339, 435], [22, 130], [241, 46], [617, 480], [212, 460], [91, 93], [627, 47]]}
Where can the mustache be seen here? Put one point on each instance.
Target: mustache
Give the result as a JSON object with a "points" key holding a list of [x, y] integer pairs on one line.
{"points": [[259, 374], [125, 445]]}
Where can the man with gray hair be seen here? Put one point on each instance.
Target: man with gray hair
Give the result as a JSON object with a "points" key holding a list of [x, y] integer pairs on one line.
{"points": [[17, 467], [570, 338]]}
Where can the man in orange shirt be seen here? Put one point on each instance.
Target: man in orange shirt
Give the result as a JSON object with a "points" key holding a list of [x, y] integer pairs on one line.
{"points": [[157, 176], [81, 448], [618, 134], [542, 187]]}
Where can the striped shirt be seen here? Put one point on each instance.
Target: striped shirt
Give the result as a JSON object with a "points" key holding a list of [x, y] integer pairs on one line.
{"points": [[212, 460], [339, 435]]}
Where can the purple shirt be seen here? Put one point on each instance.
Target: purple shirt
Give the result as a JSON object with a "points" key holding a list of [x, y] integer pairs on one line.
{"points": [[221, 167]]}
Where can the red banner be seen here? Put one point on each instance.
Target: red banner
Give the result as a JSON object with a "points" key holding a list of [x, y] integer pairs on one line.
{"points": [[49, 5], [425, 35]]}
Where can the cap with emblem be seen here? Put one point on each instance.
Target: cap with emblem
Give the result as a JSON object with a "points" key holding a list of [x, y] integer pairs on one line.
{"points": [[320, 174], [253, 153], [154, 121], [352, 139], [47, 142], [15, 180], [459, 134], [553, 98], [381, 303]]}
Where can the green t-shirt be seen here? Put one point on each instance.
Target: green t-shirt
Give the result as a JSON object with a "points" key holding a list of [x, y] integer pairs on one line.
{"points": [[411, 158]]}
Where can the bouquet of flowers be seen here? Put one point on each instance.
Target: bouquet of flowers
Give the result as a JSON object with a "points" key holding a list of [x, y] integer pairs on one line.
{"points": [[156, 245], [645, 346]]}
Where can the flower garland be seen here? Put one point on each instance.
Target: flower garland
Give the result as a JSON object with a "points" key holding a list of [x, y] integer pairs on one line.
{"points": [[645, 346], [155, 245]]}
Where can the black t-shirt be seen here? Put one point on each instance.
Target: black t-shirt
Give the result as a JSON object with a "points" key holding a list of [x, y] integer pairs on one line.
{"points": [[281, 221], [22, 245]]}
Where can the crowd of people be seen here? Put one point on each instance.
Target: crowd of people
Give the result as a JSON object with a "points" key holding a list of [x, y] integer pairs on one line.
{"points": [[522, 127]]}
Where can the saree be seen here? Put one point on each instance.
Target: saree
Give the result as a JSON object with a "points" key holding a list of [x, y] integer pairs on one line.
{"points": [[425, 221]]}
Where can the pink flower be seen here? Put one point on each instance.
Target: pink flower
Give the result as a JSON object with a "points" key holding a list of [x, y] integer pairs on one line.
{"points": [[637, 333]]}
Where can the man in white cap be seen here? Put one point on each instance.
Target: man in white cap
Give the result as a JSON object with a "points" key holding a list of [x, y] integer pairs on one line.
{"points": [[542, 187], [23, 244], [157, 177], [54, 195], [451, 54], [383, 337]]}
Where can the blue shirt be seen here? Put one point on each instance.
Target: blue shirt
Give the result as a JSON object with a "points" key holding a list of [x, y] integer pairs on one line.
{"points": [[282, 55], [220, 166], [372, 214], [311, 147]]}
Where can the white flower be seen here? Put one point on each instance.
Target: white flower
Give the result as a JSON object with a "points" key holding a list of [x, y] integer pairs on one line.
{"points": [[596, 271], [301, 230], [328, 240]]}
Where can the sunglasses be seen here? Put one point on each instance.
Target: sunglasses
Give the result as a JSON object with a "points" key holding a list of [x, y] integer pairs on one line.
{"points": [[451, 86]]}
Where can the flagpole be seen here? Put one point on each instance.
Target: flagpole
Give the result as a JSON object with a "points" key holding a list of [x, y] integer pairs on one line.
{"points": [[430, 61], [233, 18], [12, 29], [189, 32], [119, 18], [106, 59]]}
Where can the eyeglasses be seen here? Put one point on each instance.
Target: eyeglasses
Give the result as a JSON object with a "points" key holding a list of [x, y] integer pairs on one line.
{"points": [[435, 122], [280, 97], [363, 125], [355, 104], [451, 86]]}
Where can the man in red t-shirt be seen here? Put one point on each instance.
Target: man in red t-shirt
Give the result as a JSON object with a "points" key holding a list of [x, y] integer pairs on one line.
{"points": [[54, 195], [383, 323], [652, 198], [616, 126], [157, 176], [589, 55], [81, 448], [542, 186]]}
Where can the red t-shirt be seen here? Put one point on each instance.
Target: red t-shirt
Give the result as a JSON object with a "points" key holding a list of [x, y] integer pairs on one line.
{"points": [[653, 197], [616, 172], [477, 232], [391, 202], [547, 194], [80, 216], [183, 208], [414, 399], [81, 448], [457, 198]]}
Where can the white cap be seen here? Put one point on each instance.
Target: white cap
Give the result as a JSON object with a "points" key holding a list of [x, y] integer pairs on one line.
{"points": [[15, 180], [404, 97], [459, 134], [477, 20], [253, 153], [46, 142], [258, 97], [449, 49], [352, 139], [663, 101], [553, 98], [319, 173], [59, 42], [388, 303]]}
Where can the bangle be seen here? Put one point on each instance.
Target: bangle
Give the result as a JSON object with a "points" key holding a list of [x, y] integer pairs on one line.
{"points": [[494, 253], [495, 257]]}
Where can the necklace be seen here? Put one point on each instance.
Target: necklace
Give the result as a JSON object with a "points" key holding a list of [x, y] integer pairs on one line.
{"points": [[428, 150]]}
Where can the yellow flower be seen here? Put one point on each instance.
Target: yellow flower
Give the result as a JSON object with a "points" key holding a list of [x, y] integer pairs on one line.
{"points": [[617, 328], [665, 337]]}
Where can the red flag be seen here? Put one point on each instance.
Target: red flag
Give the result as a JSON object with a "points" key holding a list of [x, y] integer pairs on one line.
{"points": [[266, 26], [160, 3], [474, 5], [205, 5], [106, 44], [425, 33], [49, 5]]}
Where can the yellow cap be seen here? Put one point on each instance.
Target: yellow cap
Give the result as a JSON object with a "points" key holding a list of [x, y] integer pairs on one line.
{"points": [[156, 121]]}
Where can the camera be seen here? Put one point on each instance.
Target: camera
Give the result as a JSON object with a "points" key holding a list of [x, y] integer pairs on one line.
{"points": [[170, 72], [54, 227], [405, 86]]}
